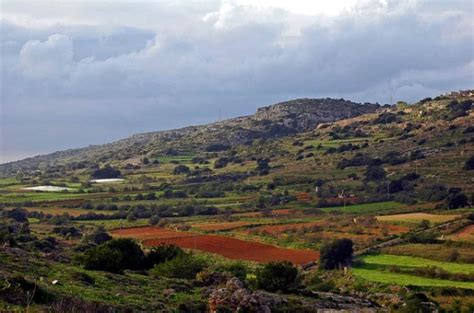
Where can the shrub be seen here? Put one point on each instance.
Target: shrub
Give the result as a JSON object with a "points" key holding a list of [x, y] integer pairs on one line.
{"points": [[277, 276], [468, 130], [217, 147], [181, 169], [103, 258], [375, 173], [154, 220], [425, 237], [20, 215], [424, 224], [393, 158], [115, 256], [131, 217], [184, 266], [316, 283], [469, 165], [237, 269], [336, 253], [456, 199], [385, 118], [262, 167], [106, 172], [433, 193], [162, 254], [221, 162], [99, 236]]}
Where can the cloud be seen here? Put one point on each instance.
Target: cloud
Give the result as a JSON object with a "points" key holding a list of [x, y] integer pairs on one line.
{"points": [[47, 59]]}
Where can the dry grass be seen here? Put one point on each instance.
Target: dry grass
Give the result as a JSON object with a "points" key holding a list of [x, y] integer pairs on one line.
{"points": [[417, 217]]}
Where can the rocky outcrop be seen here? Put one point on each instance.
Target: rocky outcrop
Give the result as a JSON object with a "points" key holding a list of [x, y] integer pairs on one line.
{"points": [[232, 295], [235, 297], [306, 114]]}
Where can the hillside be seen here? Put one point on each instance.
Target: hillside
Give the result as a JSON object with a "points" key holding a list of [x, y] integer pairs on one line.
{"points": [[278, 120], [208, 207]]}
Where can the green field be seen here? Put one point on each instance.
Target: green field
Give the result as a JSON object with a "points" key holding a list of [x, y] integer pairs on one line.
{"points": [[366, 207], [374, 269], [408, 261]]}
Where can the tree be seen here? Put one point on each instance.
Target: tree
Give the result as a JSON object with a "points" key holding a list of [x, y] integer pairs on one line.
{"points": [[424, 224], [99, 236], [276, 276], [469, 165], [221, 162], [181, 169], [336, 254], [115, 256], [20, 215], [150, 196], [154, 220], [375, 173], [131, 217], [456, 199], [106, 172], [263, 167], [163, 253]]}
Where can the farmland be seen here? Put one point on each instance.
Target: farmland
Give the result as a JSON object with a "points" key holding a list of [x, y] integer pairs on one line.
{"points": [[238, 249], [374, 268], [465, 234], [198, 209]]}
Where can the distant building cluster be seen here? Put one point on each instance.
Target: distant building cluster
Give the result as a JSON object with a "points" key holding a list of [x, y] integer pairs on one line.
{"points": [[461, 93]]}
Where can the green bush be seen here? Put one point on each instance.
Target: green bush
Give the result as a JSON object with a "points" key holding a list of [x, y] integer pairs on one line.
{"points": [[456, 199], [316, 283], [335, 254], [184, 266], [115, 256], [162, 254], [237, 269], [277, 276], [375, 173], [103, 258], [425, 237]]}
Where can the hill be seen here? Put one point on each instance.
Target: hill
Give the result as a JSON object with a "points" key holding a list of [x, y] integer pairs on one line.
{"points": [[395, 183], [278, 120]]}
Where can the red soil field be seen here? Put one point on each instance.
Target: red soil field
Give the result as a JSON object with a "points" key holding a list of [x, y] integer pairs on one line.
{"points": [[303, 197], [465, 234], [238, 249], [274, 212], [220, 225]]}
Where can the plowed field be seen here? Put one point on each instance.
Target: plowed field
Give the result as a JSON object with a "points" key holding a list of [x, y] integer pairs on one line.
{"points": [[238, 249], [228, 247]]}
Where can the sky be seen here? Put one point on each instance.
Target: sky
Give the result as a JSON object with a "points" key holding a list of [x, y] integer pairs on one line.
{"points": [[74, 73]]}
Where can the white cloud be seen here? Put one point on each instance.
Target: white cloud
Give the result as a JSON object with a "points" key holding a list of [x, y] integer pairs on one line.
{"points": [[47, 59]]}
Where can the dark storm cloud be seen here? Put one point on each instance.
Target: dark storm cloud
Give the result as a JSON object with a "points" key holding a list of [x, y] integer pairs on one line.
{"points": [[165, 65]]}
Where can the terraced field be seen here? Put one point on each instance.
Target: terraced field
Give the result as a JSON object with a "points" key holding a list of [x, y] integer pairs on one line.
{"points": [[376, 269], [417, 218]]}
